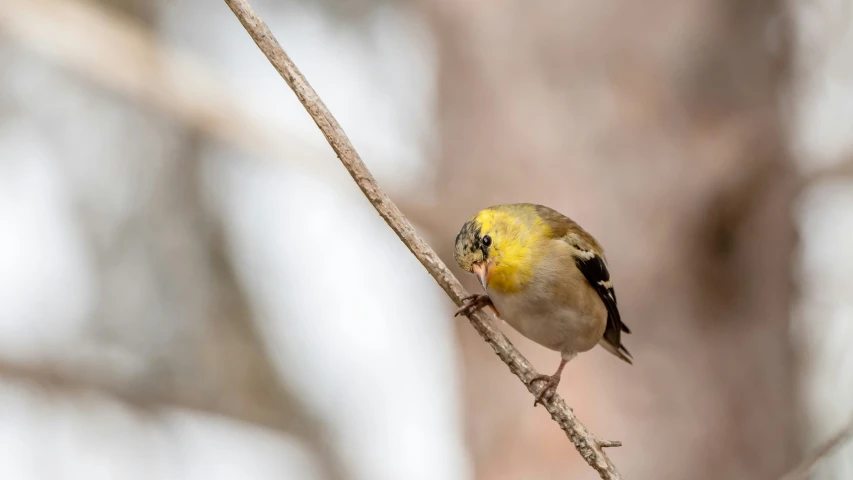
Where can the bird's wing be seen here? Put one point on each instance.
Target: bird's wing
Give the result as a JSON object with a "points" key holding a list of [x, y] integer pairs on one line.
{"points": [[594, 268], [590, 260]]}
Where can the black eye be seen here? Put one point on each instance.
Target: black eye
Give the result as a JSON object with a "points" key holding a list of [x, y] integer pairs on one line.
{"points": [[487, 240]]}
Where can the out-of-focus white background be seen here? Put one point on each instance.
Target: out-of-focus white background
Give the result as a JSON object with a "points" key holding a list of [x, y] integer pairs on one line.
{"points": [[192, 288]]}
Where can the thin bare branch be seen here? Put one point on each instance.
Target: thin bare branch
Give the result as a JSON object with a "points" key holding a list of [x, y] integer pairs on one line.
{"points": [[589, 447], [801, 471]]}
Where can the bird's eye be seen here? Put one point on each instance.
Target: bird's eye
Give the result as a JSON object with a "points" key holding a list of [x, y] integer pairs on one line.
{"points": [[487, 240]]}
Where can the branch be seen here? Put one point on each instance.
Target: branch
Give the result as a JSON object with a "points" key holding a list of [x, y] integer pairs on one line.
{"points": [[802, 470], [589, 447]]}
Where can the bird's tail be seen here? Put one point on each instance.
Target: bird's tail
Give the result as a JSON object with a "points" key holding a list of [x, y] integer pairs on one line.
{"points": [[620, 350]]}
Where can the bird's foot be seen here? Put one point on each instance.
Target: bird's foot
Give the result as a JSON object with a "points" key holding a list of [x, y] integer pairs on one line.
{"points": [[472, 303], [551, 382]]}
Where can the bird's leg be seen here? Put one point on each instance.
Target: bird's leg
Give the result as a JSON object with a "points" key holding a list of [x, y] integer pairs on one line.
{"points": [[551, 382], [472, 303]]}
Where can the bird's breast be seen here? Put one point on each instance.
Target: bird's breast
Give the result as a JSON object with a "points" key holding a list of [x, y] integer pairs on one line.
{"points": [[565, 324]]}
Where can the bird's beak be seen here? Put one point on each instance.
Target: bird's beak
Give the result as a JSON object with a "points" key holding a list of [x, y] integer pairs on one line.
{"points": [[483, 271]]}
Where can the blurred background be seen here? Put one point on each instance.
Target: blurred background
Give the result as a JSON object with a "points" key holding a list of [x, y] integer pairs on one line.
{"points": [[191, 287]]}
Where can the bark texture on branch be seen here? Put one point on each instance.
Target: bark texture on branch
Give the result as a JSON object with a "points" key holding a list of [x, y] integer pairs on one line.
{"points": [[589, 447]]}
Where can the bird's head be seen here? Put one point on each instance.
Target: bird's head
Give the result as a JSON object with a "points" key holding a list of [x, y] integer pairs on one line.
{"points": [[501, 246]]}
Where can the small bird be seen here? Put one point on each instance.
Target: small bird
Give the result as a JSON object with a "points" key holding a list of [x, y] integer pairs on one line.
{"points": [[546, 277]]}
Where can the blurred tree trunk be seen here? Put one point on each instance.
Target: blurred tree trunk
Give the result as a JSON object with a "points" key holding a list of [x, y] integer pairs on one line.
{"points": [[657, 127]]}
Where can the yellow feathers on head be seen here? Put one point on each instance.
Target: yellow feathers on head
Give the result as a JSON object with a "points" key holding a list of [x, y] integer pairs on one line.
{"points": [[505, 238]]}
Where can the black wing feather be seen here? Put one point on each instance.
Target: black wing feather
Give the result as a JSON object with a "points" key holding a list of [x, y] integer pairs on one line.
{"points": [[596, 273]]}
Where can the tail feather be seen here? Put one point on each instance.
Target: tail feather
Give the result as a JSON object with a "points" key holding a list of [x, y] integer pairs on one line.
{"points": [[620, 350]]}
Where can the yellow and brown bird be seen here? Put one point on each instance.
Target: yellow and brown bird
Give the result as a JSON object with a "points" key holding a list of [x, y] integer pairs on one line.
{"points": [[546, 277]]}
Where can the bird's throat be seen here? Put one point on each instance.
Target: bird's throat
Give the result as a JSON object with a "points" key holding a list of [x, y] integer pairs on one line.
{"points": [[512, 274]]}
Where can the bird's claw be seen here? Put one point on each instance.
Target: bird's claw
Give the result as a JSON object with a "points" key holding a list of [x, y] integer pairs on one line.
{"points": [[472, 303], [551, 382]]}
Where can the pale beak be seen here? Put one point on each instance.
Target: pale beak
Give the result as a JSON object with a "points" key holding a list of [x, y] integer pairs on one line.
{"points": [[483, 271]]}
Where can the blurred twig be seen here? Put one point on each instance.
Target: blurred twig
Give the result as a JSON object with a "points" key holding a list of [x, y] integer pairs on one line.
{"points": [[802, 470], [588, 446], [842, 170], [53, 378], [84, 384], [119, 54]]}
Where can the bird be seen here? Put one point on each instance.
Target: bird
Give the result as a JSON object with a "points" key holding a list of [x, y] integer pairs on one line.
{"points": [[546, 277]]}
